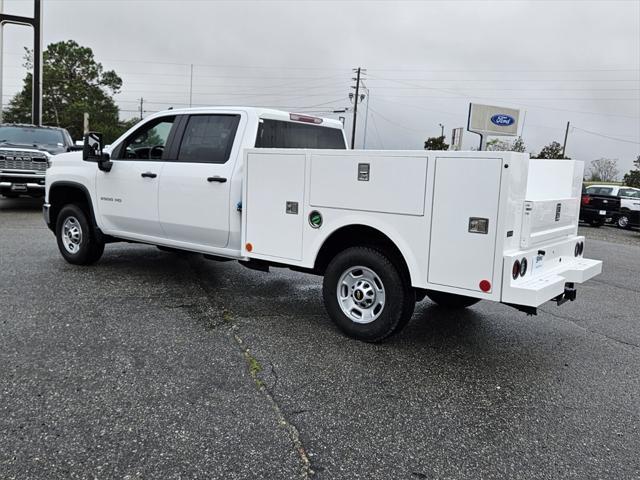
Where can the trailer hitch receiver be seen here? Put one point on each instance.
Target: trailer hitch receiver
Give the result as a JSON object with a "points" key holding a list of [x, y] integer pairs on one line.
{"points": [[569, 294]]}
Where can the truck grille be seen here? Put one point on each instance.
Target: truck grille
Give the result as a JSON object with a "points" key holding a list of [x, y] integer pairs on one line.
{"points": [[23, 161]]}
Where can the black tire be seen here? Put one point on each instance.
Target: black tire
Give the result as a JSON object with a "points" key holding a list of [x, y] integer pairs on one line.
{"points": [[596, 223], [451, 301], [88, 247], [399, 297], [623, 221]]}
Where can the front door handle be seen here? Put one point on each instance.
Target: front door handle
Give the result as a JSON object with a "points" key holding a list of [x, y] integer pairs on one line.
{"points": [[148, 175], [217, 179]]}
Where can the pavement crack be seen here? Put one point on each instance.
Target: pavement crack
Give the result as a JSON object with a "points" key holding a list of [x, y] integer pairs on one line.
{"points": [[254, 368], [593, 332]]}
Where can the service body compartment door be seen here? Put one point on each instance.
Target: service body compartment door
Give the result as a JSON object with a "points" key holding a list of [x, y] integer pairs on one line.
{"points": [[464, 188], [275, 204]]}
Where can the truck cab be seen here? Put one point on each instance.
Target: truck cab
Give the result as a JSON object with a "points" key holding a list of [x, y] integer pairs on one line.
{"points": [[175, 179]]}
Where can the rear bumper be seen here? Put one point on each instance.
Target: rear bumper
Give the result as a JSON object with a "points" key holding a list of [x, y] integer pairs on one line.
{"points": [[547, 278]]}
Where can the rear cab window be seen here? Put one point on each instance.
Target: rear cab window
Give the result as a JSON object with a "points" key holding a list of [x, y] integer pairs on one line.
{"points": [[283, 134]]}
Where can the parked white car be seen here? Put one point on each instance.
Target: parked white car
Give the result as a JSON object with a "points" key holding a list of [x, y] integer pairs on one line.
{"points": [[384, 228], [629, 201]]}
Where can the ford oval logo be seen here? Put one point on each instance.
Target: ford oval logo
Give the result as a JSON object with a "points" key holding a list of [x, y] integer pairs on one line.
{"points": [[503, 120]]}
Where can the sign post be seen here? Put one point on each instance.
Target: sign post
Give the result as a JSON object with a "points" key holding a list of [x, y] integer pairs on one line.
{"points": [[488, 120], [456, 138]]}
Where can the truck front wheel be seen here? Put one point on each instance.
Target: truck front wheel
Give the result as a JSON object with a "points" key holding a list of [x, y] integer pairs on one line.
{"points": [[366, 295], [77, 240]]}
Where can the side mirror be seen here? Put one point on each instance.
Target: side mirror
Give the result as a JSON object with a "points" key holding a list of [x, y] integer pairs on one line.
{"points": [[92, 151], [92, 148]]}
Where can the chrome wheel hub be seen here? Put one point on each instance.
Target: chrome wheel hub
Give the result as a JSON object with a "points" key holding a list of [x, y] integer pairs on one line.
{"points": [[361, 294], [71, 235]]}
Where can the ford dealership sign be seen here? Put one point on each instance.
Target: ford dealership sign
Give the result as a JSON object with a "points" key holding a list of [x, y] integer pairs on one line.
{"points": [[493, 120], [503, 120]]}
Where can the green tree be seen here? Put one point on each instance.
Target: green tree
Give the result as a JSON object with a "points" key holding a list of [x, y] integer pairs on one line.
{"points": [[73, 83], [551, 151], [436, 143], [632, 179]]}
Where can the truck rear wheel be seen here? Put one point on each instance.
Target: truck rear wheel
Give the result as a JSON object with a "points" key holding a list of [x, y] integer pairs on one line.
{"points": [[77, 240], [623, 220], [366, 295], [451, 301]]}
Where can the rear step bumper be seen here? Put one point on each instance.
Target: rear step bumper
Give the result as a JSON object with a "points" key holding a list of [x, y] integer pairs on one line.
{"points": [[554, 281]]}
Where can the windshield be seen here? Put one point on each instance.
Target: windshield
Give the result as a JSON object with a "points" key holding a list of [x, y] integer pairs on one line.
{"points": [[31, 136]]}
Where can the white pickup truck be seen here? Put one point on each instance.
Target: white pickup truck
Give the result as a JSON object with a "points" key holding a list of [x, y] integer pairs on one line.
{"points": [[384, 228]]}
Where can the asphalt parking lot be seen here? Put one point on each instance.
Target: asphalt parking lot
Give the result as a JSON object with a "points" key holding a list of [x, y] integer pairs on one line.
{"points": [[157, 365]]}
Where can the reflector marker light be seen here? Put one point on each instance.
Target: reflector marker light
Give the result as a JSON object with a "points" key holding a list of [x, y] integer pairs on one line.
{"points": [[485, 285], [249, 247]]}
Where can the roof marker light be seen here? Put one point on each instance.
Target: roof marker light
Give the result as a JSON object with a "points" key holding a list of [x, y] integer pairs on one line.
{"points": [[305, 118]]}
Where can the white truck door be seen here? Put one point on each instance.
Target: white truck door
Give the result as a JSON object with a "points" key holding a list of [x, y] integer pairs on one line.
{"points": [[195, 188], [127, 196]]}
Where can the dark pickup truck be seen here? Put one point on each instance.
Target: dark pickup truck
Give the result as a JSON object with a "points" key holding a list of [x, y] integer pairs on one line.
{"points": [[598, 209]]}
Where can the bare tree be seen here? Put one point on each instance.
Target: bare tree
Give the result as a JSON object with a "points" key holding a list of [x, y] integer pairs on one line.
{"points": [[498, 145], [604, 170]]}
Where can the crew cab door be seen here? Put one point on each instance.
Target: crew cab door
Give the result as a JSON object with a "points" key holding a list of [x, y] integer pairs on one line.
{"points": [[195, 188], [127, 196]]}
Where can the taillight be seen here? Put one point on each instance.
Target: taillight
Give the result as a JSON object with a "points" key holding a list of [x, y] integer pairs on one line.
{"points": [[576, 251], [523, 266], [586, 199], [515, 271]]}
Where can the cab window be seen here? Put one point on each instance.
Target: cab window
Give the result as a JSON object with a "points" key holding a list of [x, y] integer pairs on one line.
{"points": [[148, 142], [208, 138], [280, 134]]}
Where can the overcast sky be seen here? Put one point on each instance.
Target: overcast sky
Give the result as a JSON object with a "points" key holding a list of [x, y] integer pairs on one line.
{"points": [[556, 60]]}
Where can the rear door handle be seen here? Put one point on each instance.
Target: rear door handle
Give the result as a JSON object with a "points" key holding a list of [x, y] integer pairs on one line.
{"points": [[217, 179], [148, 175]]}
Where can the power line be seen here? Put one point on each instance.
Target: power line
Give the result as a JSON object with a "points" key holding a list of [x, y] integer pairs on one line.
{"points": [[605, 136]]}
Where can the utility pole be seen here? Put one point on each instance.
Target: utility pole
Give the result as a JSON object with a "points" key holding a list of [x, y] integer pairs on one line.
{"points": [[36, 23], [141, 107], [441, 130], [86, 123], [564, 145], [355, 108]]}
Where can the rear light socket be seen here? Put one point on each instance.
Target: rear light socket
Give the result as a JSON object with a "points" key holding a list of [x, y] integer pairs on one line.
{"points": [[523, 266], [515, 270]]}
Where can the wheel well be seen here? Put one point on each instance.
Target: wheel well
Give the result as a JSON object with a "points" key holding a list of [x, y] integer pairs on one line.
{"points": [[61, 195], [358, 236]]}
